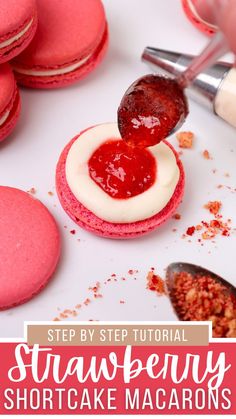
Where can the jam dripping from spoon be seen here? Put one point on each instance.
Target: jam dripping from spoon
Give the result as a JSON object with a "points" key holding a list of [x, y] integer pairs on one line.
{"points": [[152, 108]]}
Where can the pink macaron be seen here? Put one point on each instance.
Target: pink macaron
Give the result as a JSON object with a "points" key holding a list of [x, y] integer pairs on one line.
{"points": [[71, 40], [189, 7], [9, 101], [18, 23], [85, 218], [29, 246]]}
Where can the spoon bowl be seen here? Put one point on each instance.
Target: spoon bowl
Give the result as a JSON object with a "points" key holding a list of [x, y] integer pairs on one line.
{"points": [[195, 270]]}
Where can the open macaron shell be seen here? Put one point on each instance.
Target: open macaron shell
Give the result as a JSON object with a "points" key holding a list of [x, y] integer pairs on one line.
{"points": [[29, 247], [207, 28], [18, 23], [9, 101], [89, 221], [71, 39]]}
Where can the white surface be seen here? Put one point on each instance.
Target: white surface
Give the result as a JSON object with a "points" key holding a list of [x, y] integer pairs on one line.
{"points": [[51, 118]]}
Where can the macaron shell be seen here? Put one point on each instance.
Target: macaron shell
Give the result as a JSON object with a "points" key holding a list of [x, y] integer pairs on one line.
{"points": [[7, 86], [14, 17], [52, 82], [9, 100], [29, 246], [68, 30], [10, 123], [199, 24], [89, 221]]}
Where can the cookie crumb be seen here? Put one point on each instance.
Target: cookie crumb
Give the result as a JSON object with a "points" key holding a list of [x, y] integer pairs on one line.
{"points": [[185, 139], [213, 206], [132, 271], [177, 216], [190, 231], [155, 283], [32, 191], [206, 155]]}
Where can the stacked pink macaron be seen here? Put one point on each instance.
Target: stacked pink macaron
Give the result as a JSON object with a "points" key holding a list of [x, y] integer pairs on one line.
{"points": [[43, 44], [18, 23], [46, 44], [191, 12]]}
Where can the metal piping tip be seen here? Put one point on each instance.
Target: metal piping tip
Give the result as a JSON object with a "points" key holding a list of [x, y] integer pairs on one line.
{"points": [[164, 60]]}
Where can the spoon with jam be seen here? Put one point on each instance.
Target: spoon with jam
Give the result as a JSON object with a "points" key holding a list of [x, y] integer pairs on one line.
{"points": [[198, 294], [155, 106]]}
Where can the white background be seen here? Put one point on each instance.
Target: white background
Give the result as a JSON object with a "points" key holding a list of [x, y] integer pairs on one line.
{"points": [[51, 118]]}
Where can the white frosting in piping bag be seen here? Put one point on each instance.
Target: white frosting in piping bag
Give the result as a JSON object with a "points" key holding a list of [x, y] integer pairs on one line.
{"points": [[133, 209], [225, 100], [17, 36]]}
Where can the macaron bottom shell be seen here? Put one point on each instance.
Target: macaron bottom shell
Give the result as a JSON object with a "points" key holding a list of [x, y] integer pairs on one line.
{"points": [[89, 221], [29, 247], [62, 80]]}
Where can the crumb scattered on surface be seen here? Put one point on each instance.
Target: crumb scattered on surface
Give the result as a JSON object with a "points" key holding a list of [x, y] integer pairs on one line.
{"points": [[50, 193], [155, 283], [185, 139], [213, 206], [96, 291], [73, 232], [190, 231], [206, 155], [32, 191], [132, 271], [177, 216], [211, 228]]}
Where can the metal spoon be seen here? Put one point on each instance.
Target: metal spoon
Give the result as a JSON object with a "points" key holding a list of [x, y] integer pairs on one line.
{"points": [[194, 270], [144, 102]]}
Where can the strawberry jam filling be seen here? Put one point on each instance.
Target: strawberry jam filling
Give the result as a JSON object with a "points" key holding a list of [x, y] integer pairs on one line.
{"points": [[122, 171], [150, 109]]}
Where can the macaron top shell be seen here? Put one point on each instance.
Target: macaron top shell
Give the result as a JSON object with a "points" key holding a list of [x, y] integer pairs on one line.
{"points": [[14, 15], [68, 30], [29, 246], [7, 86]]}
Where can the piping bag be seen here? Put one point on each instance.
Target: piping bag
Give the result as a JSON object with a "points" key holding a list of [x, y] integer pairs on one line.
{"points": [[214, 88]]}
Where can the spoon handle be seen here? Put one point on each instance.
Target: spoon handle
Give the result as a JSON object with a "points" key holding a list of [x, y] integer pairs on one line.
{"points": [[217, 47]]}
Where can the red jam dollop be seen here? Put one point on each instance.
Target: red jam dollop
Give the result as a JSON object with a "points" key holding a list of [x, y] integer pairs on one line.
{"points": [[150, 109], [122, 171]]}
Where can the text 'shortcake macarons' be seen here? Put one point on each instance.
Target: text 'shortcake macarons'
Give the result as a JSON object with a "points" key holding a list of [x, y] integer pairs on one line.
{"points": [[114, 190], [18, 23], [9, 101], [71, 40], [29, 246], [189, 7]]}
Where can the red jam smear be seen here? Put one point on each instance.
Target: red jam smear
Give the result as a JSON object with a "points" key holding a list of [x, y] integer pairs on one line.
{"points": [[150, 110], [122, 171]]}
